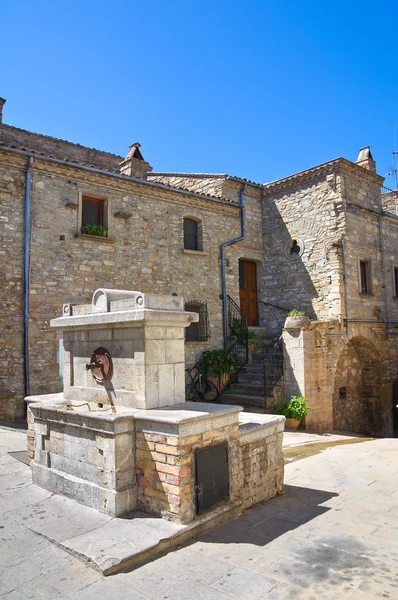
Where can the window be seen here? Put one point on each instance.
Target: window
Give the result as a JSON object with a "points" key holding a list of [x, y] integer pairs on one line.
{"points": [[93, 213], [200, 331], [364, 277], [395, 282], [191, 238]]}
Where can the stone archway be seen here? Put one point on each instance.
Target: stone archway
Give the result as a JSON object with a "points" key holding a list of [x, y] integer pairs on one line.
{"points": [[357, 389]]}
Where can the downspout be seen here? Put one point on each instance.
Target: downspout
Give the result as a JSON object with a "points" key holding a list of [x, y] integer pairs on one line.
{"points": [[222, 250], [26, 257]]}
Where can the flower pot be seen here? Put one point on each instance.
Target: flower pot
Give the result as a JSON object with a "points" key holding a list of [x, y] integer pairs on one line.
{"points": [[292, 423], [297, 322], [220, 382]]}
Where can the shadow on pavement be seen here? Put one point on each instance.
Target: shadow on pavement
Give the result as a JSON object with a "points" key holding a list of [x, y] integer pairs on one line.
{"points": [[266, 522]]}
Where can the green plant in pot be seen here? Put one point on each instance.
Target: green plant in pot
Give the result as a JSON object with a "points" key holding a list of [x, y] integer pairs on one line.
{"points": [[294, 410], [218, 366], [97, 230]]}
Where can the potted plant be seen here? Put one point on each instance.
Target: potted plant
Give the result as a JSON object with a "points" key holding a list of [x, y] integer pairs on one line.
{"points": [[296, 319], [294, 410], [218, 366], [97, 230]]}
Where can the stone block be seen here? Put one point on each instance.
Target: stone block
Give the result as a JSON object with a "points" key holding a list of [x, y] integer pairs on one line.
{"points": [[175, 351], [155, 351]]}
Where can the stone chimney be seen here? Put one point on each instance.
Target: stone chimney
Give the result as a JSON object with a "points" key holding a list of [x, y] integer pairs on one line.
{"points": [[2, 102], [365, 159], [134, 164]]}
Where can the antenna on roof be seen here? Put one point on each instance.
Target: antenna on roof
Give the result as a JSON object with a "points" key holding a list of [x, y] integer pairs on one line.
{"points": [[394, 171]]}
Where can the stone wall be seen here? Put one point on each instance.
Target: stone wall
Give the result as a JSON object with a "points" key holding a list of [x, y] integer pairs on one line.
{"points": [[261, 462], [143, 251], [389, 201], [310, 212], [346, 376], [11, 277], [35, 142]]}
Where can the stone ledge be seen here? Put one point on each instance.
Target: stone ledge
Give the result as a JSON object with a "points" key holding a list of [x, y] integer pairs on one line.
{"points": [[253, 426], [105, 549], [134, 318], [195, 252], [94, 238]]}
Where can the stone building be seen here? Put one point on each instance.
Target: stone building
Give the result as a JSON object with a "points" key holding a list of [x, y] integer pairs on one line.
{"points": [[323, 241]]}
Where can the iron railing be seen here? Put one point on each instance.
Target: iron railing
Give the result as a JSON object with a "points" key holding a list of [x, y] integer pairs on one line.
{"points": [[273, 367], [238, 337]]}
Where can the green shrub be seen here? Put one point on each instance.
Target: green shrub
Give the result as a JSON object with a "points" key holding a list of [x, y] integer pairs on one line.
{"points": [[217, 362], [97, 230], [295, 408], [296, 313]]}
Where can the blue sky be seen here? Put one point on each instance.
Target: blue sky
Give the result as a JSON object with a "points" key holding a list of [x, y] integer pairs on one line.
{"points": [[259, 89]]}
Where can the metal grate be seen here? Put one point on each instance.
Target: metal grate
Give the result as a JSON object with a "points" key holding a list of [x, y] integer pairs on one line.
{"points": [[273, 367], [212, 477], [200, 331], [238, 332]]}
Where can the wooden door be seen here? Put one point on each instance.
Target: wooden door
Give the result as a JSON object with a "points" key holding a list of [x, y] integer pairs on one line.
{"points": [[248, 290]]}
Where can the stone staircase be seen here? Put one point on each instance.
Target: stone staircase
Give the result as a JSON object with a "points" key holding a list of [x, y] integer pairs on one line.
{"points": [[247, 387]]}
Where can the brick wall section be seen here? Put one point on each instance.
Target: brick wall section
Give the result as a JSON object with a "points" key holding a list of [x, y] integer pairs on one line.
{"points": [[166, 470]]}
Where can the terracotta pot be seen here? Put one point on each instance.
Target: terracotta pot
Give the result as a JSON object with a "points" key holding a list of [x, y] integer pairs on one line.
{"points": [[220, 382], [292, 423]]}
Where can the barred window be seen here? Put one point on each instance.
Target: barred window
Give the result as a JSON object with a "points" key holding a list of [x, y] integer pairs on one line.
{"points": [[200, 331]]}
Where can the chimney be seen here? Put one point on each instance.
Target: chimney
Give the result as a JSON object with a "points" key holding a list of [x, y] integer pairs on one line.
{"points": [[134, 164], [2, 102], [365, 159]]}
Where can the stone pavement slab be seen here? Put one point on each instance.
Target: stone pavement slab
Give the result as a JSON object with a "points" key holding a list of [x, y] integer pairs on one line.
{"points": [[332, 535]]}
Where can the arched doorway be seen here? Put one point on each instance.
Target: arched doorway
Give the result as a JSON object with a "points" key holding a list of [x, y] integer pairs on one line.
{"points": [[356, 399]]}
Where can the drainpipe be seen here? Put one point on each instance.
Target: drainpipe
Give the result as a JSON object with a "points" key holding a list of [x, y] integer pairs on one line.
{"points": [[26, 256], [222, 250]]}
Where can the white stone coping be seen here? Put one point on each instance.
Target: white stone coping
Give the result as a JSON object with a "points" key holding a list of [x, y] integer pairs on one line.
{"points": [[53, 408], [189, 418], [188, 412], [255, 426], [131, 318]]}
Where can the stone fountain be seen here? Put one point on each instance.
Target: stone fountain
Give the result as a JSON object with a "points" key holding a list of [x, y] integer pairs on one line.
{"points": [[120, 437]]}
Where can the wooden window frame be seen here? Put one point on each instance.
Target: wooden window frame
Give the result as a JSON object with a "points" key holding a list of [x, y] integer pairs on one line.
{"points": [[199, 235], [105, 213], [365, 283]]}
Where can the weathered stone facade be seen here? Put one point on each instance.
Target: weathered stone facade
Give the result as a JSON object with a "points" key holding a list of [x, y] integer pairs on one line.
{"points": [[307, 234]]}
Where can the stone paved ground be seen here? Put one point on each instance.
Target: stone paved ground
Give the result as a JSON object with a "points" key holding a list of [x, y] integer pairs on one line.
{"points": [[333, 535]]}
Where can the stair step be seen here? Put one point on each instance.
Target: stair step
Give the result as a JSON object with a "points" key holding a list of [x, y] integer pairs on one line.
{"points": [[254, 389], [243, 399]]}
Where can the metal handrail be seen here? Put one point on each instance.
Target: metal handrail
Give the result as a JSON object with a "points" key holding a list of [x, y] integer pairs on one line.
{"points": [[273, 367], [237, 326]]}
